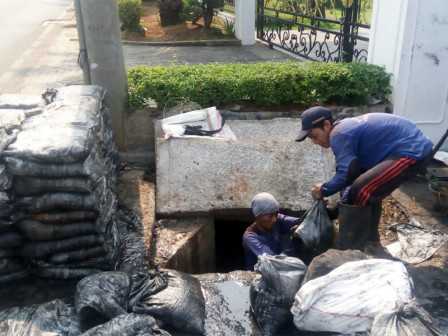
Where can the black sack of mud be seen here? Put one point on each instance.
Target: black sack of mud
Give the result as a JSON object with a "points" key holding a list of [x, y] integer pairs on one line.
{"points": [[12, 269], [127, 325], [174, 298], [6, 208], [315, 227], [55, 317], [330, 260], [272, 291], [101, 297]]}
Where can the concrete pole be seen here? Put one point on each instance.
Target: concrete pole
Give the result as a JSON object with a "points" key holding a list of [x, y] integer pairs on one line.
{"points": [[83, 59], [245, 21], [106, 60]]}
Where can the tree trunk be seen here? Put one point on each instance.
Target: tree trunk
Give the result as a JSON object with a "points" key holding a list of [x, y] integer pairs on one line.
{"points": [[207, 13], [208, 17]]}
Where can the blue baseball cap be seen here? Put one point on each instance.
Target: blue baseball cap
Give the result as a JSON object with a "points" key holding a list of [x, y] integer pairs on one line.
{"points": [[312, 117]]}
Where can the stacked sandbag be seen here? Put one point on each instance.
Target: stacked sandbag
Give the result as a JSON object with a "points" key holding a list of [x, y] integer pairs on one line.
{"points": [[63, 168], [11, 241], [12, 265]]}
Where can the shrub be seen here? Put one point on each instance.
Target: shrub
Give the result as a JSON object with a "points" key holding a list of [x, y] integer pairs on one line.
{"points": [[129, 12], [266, 84], [229, 28], [191, 11]]}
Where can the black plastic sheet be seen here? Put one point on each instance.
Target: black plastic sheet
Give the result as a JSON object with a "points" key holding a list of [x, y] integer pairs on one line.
{"points": [[415, 243]]}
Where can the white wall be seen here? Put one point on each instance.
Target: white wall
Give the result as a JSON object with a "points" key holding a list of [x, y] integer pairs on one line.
{"points": [[245, 21], [410, 38]]}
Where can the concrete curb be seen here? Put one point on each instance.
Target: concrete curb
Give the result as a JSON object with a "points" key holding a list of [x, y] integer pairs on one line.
{"points": [[198, 43]]}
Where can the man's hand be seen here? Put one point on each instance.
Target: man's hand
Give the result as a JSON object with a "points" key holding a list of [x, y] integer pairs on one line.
{"points": [[293, 229], [317, 191]]}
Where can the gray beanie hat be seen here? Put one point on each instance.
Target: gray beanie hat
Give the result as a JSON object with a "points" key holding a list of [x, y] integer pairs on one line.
{"points": [[264, 204]]}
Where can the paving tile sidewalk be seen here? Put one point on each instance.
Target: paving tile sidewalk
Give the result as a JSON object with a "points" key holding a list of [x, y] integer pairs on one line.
{"points": [[149, 54], [58, 65]]}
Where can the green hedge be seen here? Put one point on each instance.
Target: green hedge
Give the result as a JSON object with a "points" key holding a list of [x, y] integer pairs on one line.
{"points": [[129, 12], [264, 84]]}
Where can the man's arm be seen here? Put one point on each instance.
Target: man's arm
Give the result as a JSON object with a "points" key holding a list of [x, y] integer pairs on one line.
{"points": [[343, 149], [285, 223], [253, 244]]}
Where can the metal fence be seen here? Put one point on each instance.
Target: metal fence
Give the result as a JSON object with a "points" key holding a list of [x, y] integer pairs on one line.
{"points": [[314, 30]]}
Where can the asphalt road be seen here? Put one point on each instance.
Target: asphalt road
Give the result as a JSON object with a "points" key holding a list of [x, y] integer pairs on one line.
{"points": [[26, 31], [39, 48]]}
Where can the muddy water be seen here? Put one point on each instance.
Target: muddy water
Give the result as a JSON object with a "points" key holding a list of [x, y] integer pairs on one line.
{"points": [[228, 306], [227, 309]]}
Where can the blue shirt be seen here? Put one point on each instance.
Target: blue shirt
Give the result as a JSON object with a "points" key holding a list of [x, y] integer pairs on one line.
{"points": [[371, 138], [256, 242]]}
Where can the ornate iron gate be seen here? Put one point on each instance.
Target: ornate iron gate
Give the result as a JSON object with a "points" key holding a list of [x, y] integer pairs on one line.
{"points": [[303, 27]]}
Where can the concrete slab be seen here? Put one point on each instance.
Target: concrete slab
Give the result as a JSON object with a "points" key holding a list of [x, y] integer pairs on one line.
{"points": [[207, 174], [185, 244]]}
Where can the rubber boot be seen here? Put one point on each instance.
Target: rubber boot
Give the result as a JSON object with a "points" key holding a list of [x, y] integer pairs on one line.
{"points": [[375, 215], [374, 247], [354, 227]]}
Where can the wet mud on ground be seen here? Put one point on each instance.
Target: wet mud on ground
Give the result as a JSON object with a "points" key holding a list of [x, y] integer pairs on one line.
{"points": [[430, 276], [412, 200]]}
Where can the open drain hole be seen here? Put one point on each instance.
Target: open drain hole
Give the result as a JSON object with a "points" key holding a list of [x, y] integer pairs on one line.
{"points": [[228, 244], [229, 232]]}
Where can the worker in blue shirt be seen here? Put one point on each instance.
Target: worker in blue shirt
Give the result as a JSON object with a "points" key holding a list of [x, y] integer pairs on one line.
{"points": [[374, 153], [264, 235]]}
